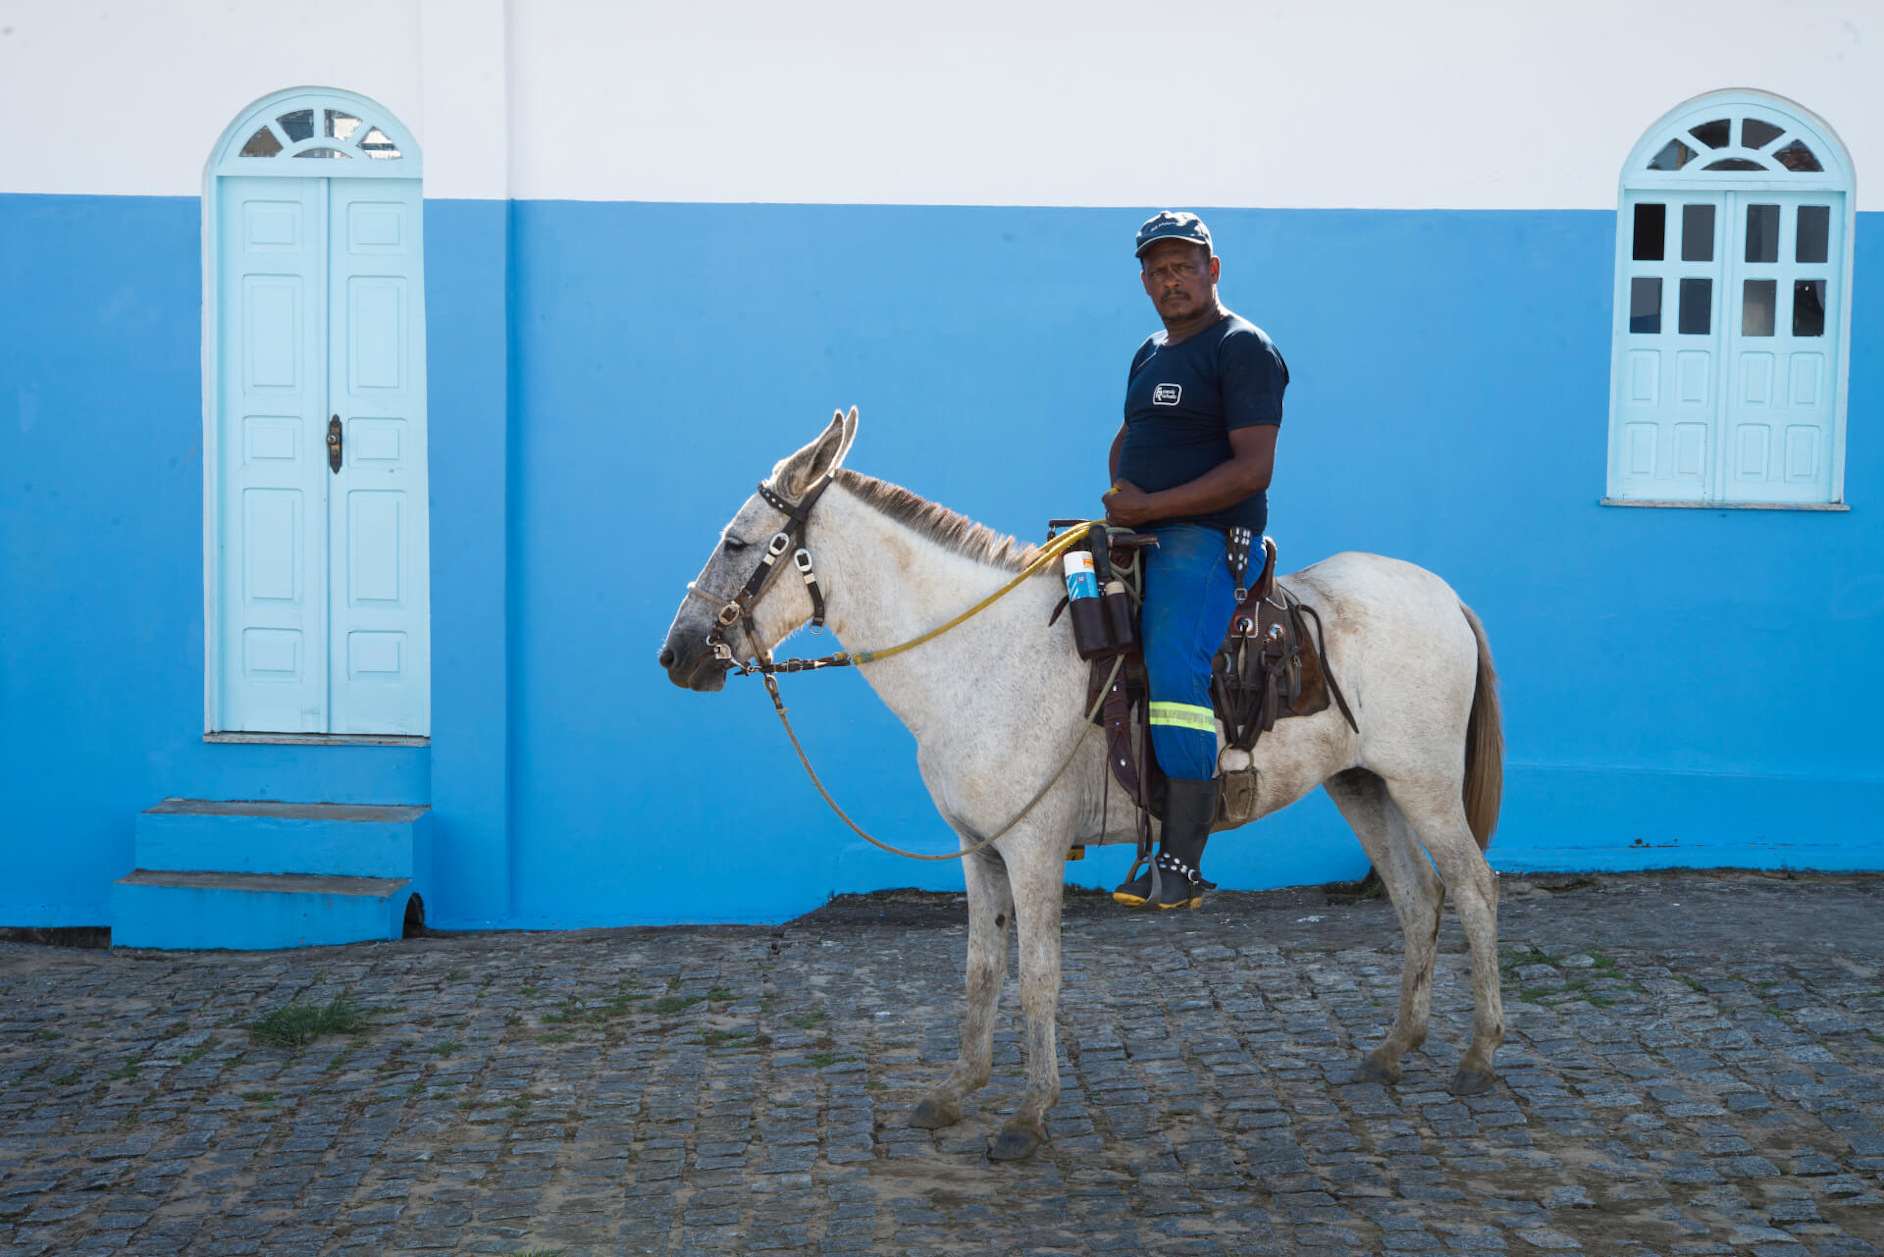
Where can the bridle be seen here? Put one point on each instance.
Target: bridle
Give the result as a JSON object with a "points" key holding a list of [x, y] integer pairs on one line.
{"points": [[737, 610]]}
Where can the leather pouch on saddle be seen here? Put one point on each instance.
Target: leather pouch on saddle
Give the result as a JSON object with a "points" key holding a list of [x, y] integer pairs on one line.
{"points": [[1105, 621], [1269, 667]]}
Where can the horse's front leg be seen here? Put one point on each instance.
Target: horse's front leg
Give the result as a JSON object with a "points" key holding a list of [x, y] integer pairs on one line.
{"points": [[990, 908], [1037, 880]]}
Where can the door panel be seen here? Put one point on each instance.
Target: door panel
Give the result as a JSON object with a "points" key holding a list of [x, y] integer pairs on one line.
{"points": [[272, 514], [1668, 320], [379, 649], [1782, 330]]}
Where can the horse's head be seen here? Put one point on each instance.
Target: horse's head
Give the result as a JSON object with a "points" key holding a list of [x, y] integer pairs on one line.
{"points": [[781, 605]]}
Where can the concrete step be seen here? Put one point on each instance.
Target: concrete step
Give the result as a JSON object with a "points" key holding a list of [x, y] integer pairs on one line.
{"points": [[253, 911], [255, 876], [345, 840]]}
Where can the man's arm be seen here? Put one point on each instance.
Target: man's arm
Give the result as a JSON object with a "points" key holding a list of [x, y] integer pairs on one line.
{"points": [[1252, 463], [1118, 447]]}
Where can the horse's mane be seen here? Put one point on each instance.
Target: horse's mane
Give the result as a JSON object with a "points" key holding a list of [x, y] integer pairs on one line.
{"points": [[952, 531]]}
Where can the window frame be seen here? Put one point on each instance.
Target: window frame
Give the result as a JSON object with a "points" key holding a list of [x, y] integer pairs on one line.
{"points": [[1635, 180]]}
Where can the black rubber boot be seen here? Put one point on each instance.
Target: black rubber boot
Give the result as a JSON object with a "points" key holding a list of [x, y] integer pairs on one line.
{"points": [[1172, 880]]}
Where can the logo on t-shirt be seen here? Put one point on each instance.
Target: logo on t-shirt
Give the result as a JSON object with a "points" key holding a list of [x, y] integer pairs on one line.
{"points": [[1166, 394]]}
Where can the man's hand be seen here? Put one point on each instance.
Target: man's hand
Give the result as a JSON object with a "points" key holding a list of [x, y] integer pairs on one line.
{"points": [[1127, 505]]}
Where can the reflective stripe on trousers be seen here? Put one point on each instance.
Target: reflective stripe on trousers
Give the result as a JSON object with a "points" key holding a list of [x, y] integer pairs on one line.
{"points": [[1188, 600], [1184, 716]]}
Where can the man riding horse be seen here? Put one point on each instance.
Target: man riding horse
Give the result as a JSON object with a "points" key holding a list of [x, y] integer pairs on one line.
{"points": [[1191, 465]]}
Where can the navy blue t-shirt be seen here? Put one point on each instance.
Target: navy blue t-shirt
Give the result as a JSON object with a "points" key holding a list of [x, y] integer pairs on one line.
{"points": [[1182, 402]]}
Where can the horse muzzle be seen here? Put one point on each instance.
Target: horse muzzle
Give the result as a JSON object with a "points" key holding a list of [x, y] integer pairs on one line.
{"points": [[696, 669]]}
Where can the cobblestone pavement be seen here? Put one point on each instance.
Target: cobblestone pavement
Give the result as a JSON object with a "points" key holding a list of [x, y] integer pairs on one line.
{"points": [[1695, 1064]]}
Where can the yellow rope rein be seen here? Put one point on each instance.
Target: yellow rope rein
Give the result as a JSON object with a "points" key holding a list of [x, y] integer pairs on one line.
{"points": [[1048, 553]]}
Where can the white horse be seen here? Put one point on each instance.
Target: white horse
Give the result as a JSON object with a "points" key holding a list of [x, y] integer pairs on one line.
{"points": [[995, 707]]}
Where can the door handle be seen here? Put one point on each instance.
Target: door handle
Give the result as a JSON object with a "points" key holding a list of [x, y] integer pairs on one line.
{"points": [[333, 444]]}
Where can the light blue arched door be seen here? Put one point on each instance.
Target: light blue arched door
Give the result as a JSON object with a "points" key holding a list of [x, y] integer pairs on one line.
{"points": [[319, 546]]}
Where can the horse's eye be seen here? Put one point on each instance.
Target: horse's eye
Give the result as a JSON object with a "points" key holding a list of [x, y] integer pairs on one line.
{"points": [[732, 543]]}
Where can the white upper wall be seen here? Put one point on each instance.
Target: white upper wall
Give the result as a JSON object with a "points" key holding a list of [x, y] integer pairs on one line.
{"points": [[1367, 103], [118, 96]]}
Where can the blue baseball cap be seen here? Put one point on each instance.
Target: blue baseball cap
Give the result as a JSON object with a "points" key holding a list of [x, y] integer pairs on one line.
{"points": [[1173, 225]]}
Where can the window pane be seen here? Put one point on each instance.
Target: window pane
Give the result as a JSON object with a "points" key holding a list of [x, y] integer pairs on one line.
{"points": [[1674, 156], [377, 144], [298, 125], [1762, 233], [1645, 304], [1651, 227], [1797, 157], [262, 144], [341, 126], [1697, 300], [1808, 307], [1815, 223], [1713, 134], [320, 152], [1757, 134], [1733, 163], [1756, 307], [1697, 233]]}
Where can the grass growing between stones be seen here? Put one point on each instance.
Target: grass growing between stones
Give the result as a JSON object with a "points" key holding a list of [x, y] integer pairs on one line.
{"points": [[669, 1004], [1528, 956], [295, 1025], [626, 999], [1573, 989]]}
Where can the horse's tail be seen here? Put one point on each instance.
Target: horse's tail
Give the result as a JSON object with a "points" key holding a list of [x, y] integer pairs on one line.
{"points": [[1484, 744]]}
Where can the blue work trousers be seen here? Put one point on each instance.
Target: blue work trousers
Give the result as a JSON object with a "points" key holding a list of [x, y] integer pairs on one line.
{"points": [[1188, 600]]}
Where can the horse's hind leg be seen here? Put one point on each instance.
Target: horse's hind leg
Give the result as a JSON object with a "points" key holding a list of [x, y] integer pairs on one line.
{"points": [[1417, 895], [1038, 885], [990, 908], [1438, 815]]}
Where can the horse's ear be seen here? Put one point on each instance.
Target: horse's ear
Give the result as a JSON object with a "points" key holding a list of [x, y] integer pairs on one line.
{"points": [[820, 458], [849, 423]]}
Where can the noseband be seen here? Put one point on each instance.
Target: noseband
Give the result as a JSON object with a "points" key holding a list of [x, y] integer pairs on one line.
{"points": [[738, 610]]}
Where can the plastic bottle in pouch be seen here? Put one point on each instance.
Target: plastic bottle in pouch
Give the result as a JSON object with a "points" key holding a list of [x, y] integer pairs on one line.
{"points": [[1080, 579], [1084, 607]]}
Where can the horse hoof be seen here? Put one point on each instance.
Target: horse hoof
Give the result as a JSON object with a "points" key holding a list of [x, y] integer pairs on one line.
{"points": [[1372, 1070], [929, 1115], [1014, 1143], [1471, 1082]]}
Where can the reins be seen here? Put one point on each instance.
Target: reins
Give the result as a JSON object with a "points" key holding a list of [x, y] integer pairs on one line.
{"points": [[778, 702], [791, 537]]}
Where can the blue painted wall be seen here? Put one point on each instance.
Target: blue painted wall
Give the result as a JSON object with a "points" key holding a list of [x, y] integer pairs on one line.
{"points": [[609, 379], [101, 557]]}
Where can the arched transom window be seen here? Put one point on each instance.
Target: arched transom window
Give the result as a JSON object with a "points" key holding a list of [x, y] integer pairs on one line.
{"points": [[285, 130], [1733, 276]]}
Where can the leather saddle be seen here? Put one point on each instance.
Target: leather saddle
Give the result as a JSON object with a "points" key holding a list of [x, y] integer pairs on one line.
{"points": [[1270, 667]]}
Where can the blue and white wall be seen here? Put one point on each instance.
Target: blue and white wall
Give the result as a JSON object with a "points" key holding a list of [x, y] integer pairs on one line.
{"points": [[661, 247]]}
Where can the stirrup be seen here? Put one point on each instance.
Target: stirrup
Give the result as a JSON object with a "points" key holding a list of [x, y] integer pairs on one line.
{"points": [[1137, 890]]}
